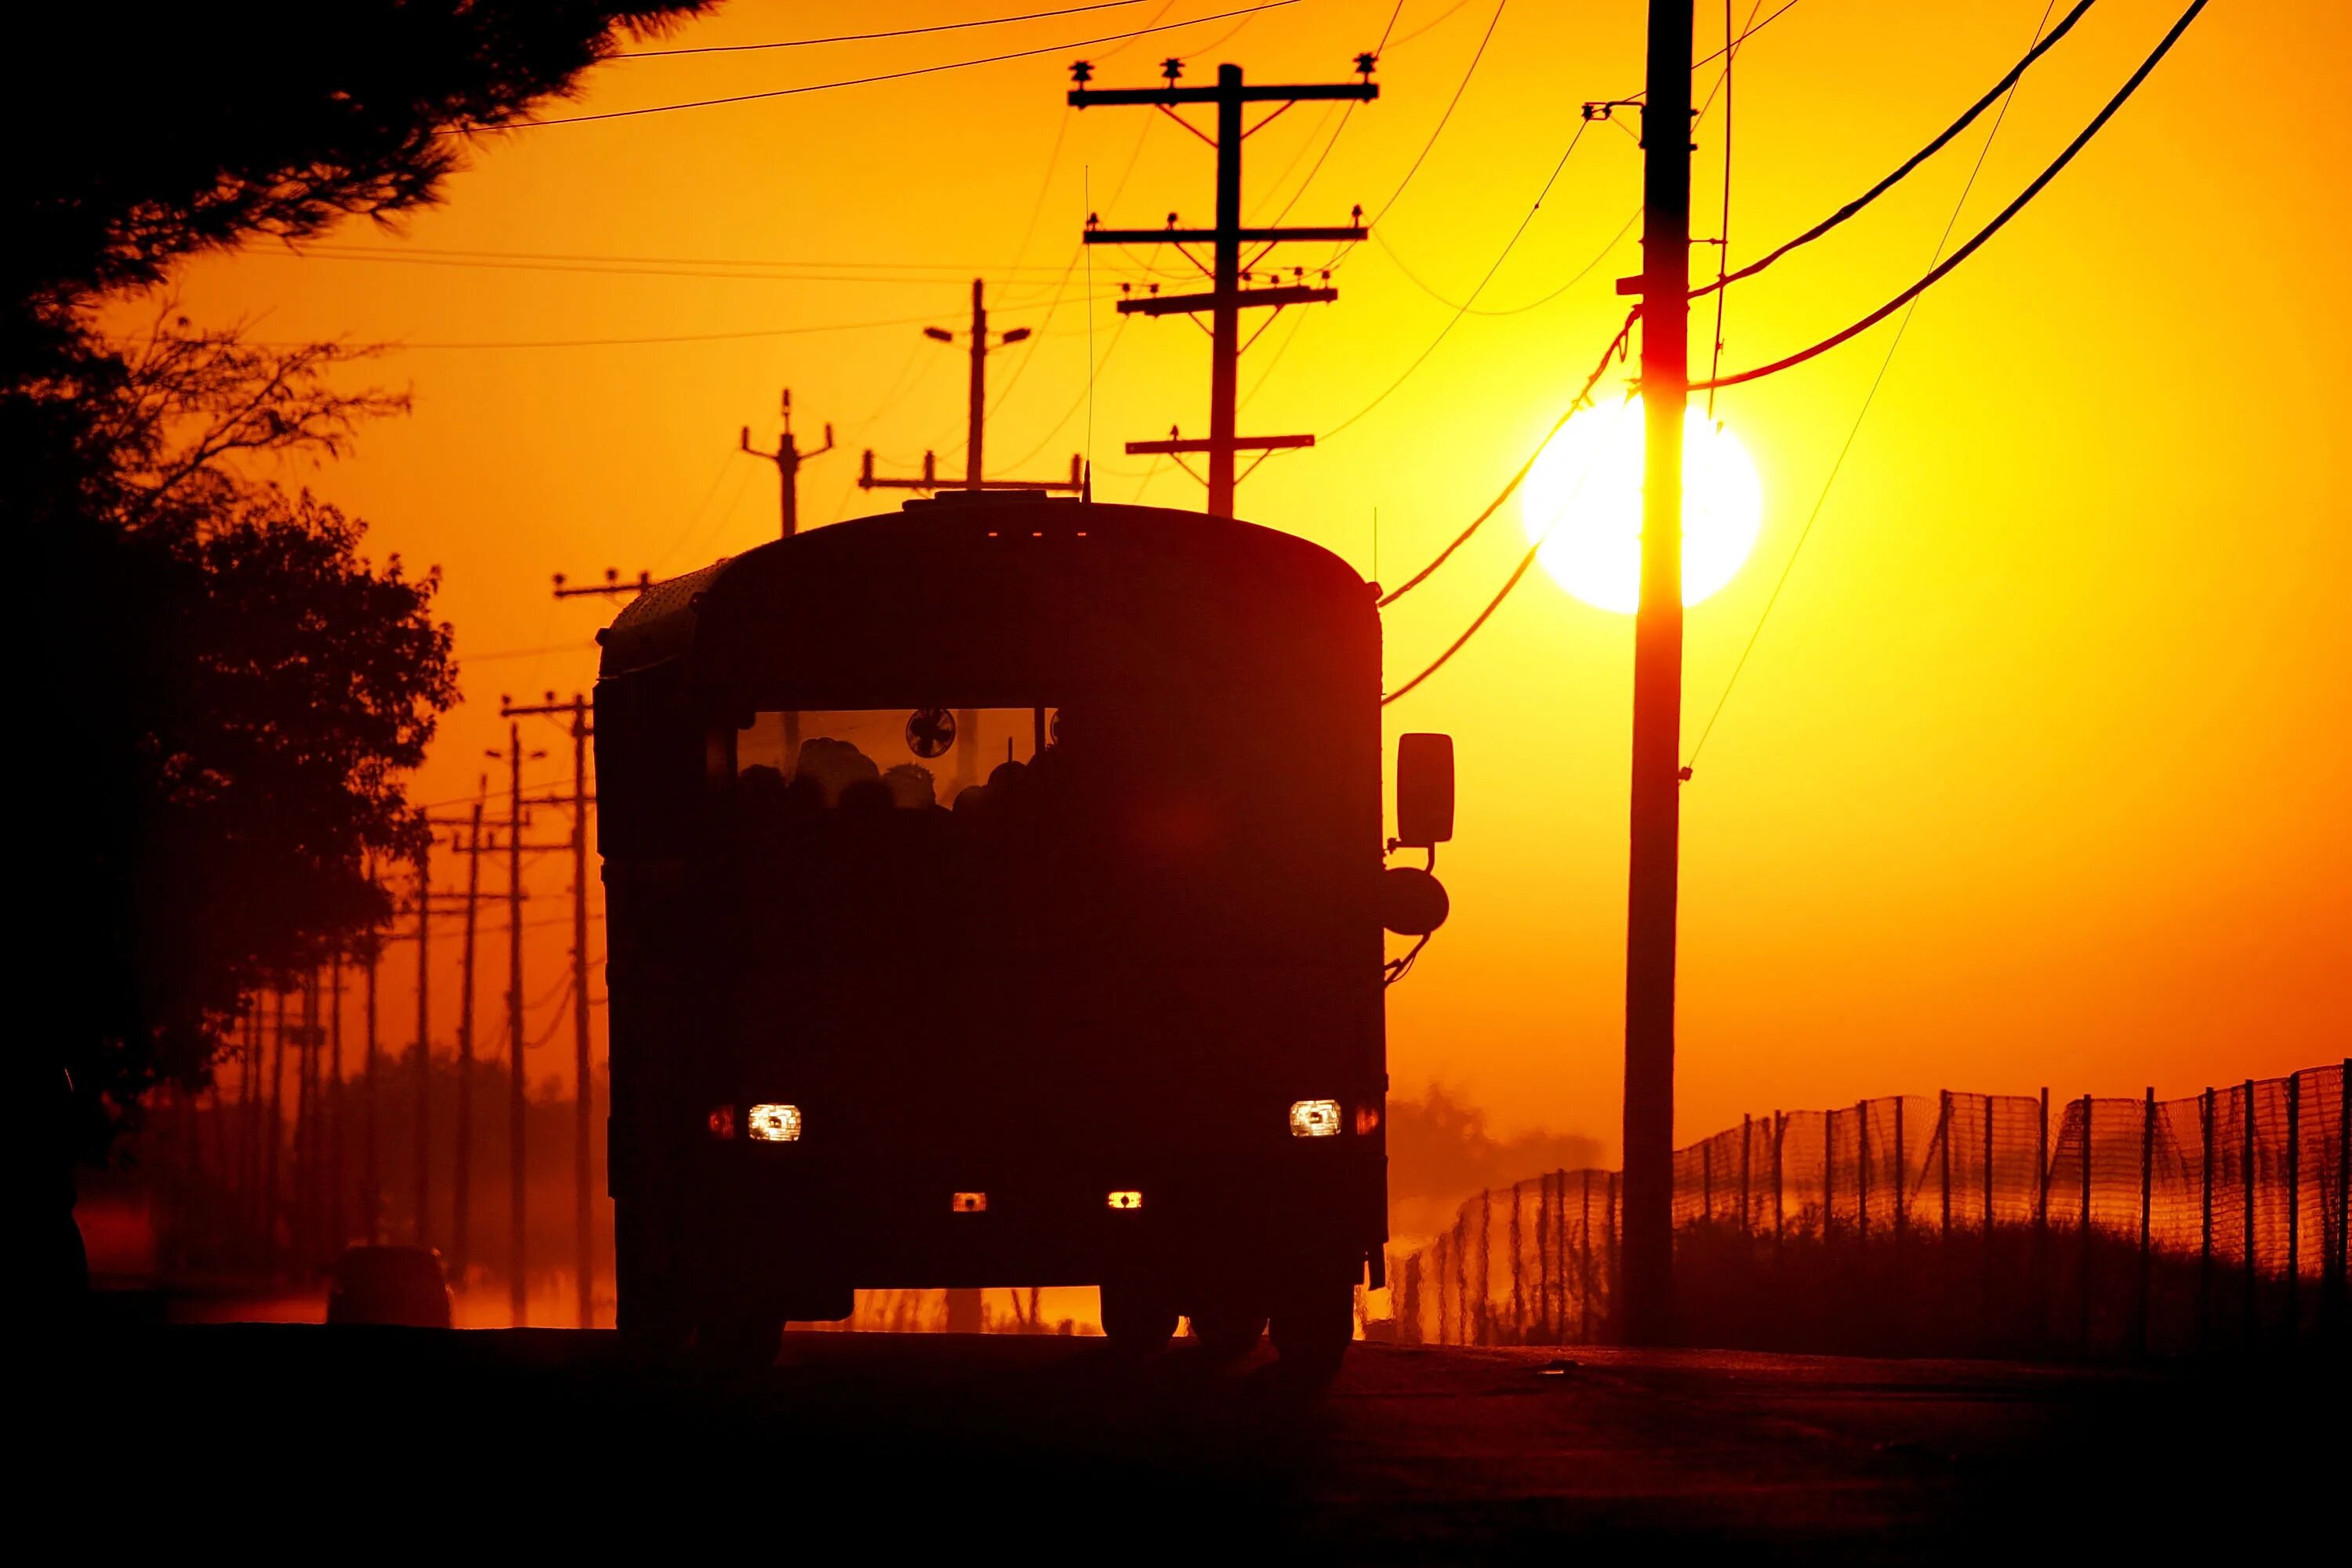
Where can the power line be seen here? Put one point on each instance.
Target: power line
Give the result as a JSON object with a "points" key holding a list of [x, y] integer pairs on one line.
{"points": [[1938, 272], [1450, 104], [1429, 26], [1455, 320], [1860, 414], [1469, 308], [1723, 228], [1582, 398], [867, 37], [860, 81], [949, 268], [1943, 139], [637, 343]]}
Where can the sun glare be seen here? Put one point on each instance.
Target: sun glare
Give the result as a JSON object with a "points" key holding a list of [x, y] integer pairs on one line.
{"points": [[1583, 501]]}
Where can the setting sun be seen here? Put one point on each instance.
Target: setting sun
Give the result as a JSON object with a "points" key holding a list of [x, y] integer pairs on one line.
{"points": [[1583, 504]]}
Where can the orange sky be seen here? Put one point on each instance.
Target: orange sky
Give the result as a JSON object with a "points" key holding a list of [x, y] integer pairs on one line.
{"points": [[2038, 772]]}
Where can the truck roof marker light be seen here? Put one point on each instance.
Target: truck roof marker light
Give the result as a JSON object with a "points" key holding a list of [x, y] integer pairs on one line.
{"points": [[970, 1202], [774, 1123], [721, 1121], [1315, 1119], [1126, 1198]]}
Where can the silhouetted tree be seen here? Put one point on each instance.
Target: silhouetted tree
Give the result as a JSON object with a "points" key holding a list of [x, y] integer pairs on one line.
{"points": [[221, 692]]}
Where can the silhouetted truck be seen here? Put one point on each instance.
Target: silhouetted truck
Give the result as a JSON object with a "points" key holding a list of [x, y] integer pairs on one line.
{"points": [[996, 892]]}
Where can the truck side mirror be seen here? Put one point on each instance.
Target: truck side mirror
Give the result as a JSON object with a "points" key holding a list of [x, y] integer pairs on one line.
{"points": [[1424, 790]]}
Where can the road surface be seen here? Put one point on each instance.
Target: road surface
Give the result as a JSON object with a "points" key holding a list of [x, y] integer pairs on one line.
{"points": [[282, 1439]]}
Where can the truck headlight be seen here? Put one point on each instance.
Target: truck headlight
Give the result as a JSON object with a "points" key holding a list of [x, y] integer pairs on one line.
{"points": [[774, 1123], [1314, 1119]]}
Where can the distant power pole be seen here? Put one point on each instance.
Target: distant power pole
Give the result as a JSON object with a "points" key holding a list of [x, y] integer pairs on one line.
{"points": [[975, 471], [371, 1179], [462, 1171], [1226, 298], [424, 1043], [613, 585], [788, 458], [518, 1079], [1648, 1307], [580, 712]]}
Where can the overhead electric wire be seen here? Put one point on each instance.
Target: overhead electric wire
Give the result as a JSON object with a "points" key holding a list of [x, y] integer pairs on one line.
{"points": [[1431, 25], [1943, 139], [950, 268], [1072, 412], [860, 81], [1347, 111], [1860, 414], [399, 347], [1723, 234], [1573, 280], [1943, 268], [1450, 104], [1584, 398], [868, 38], [1455, 320]]}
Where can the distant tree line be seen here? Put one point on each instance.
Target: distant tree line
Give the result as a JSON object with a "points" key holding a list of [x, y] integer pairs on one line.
{"points": [[217, 695]]}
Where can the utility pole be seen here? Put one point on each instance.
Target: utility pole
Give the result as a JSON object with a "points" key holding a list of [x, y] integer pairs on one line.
{"points": [[580, 712], [424, 1043], [975, 471], [338, 1217], [788, 458], [517, 1173], [461, 1179], [1656, 819], [613, 585], [275, 1131], [371, 1186], [1227, 298]]}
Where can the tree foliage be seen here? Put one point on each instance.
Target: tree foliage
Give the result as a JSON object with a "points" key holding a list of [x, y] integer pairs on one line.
{"points": [[224, 693]]}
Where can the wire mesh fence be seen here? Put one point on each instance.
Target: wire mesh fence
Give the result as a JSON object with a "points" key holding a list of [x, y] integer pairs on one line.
{"points": [[1954, 1224]]}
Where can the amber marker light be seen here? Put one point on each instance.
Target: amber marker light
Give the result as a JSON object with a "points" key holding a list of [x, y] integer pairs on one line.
{"points": [[775, 1123], [721, 1121], [970, 1202], [1315, 1119], [1126, 1198]]}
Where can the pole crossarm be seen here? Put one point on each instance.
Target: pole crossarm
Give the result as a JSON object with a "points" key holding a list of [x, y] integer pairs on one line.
{"points": [[1209, 444], [1361, 91], [1173, 235], [1226, 298], [1185, 304]]}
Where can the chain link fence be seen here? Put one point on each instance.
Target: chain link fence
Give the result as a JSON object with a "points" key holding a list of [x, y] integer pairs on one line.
{"points": [[1955, 1224]]}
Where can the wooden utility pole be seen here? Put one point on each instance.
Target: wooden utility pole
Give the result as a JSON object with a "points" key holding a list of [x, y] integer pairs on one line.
{"points": [[580, 712], [518, 1175], [975, 441], [788, 458], [461, 1175], [275, 1134], [583, 1187], [1648, 1310], [371, 1180], [425, 1044], [337, 1216], [1227, 298]]}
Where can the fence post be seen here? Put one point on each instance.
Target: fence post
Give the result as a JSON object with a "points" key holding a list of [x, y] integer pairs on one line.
{"points": [[1584, 1268], [2205, 1225], [2246, 1180], [2042, 1211], [1829, 1175], [1944, 1144], [2343, 1185], [1779, 1138], [1747, 1136], [2294, 1206], [2146, 1203], [1902, 1178], [1518, 1297], [2082, 1263], [1862, 1133]]}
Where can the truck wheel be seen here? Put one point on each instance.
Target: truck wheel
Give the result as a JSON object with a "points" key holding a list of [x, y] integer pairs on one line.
{"points": [[1228, 1334], [1137, 1316], [1313, 1325]]}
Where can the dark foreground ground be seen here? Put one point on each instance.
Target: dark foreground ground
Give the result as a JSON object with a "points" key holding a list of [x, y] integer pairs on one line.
{"points": [[290, 1441]]}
